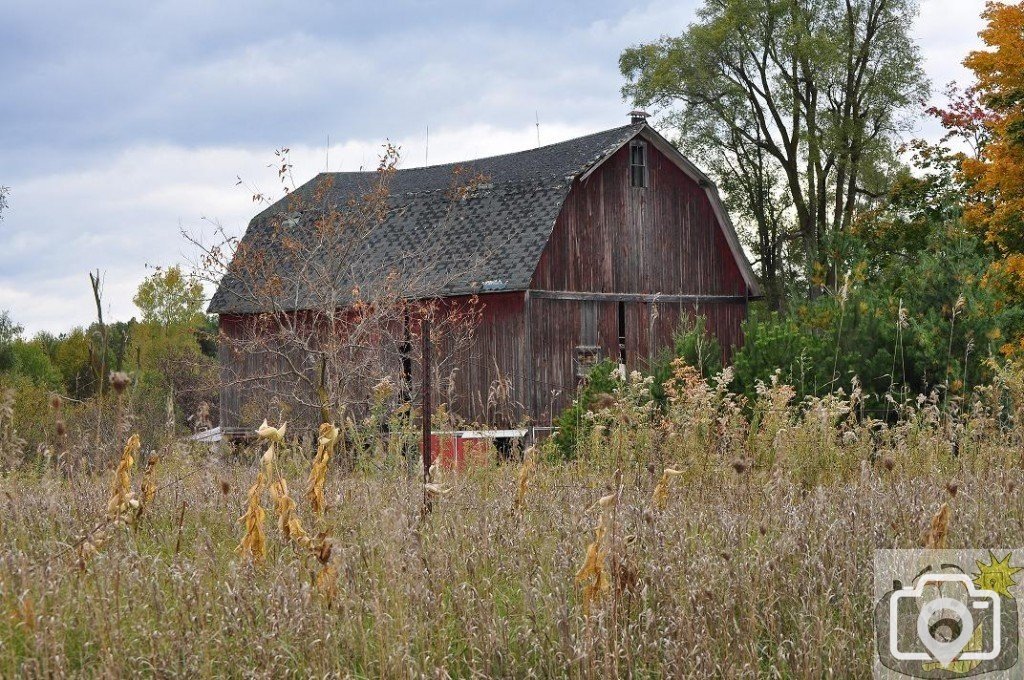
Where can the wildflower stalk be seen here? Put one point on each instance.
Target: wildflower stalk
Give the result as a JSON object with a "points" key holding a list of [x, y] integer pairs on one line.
{"points": [[254, 542], [318, 472], [527, 469], [121, 494], [122, 499], [937, 535], [660, 496]]}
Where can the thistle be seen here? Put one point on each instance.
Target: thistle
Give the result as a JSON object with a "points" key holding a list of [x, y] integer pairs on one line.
{"points": [[119, 380], [318, 472], [660, 496]]}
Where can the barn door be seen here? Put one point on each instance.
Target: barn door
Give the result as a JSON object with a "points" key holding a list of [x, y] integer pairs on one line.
{"points": [[588, 350]]}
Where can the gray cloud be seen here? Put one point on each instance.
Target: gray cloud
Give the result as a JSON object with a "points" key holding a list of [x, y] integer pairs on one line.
{"points": [[123, 122]]}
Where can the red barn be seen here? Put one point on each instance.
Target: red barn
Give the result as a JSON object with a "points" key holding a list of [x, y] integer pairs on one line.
{"points": [[591, 248]]}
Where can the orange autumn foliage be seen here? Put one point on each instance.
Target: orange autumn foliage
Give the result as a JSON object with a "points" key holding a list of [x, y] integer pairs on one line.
{"points": [[997, 173]]}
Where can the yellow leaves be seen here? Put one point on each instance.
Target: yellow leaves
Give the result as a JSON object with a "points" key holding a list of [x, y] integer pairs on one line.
{"points": [[318, 471], [327, 583], [274, 435], [998, 174], [121, 494], [283, 505], [593, 574], [606, 502], [148, 486], [660, 496], [1000, 69], [938, 531], [529, 465], [254, 541], [435, 490]]}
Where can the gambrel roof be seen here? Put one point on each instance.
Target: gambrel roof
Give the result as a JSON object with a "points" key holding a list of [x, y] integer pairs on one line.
{"points": [[489, 239]]}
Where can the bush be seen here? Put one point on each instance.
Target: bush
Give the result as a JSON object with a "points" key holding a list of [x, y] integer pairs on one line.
{"points": [[692, 343], [572, 425]]}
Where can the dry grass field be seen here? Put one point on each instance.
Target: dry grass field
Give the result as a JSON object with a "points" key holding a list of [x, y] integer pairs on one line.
{"points": [[755, 560]]}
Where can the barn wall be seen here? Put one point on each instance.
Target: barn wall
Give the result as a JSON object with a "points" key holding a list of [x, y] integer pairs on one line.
{"points": [[614, 238], [560, 326], [483, 380], [478, 348], [254, 376], [615, 243]]}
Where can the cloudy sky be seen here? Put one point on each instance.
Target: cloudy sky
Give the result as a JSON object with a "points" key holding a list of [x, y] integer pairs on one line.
{"points": [[122, 123]]}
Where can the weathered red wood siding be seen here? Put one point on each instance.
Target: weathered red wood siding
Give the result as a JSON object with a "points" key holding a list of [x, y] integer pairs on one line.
{"points": [[611, 239], [467, 373], [467, 364], [615, 239]]}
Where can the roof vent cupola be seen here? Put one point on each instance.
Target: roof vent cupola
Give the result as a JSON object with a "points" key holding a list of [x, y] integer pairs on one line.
{"points": [[637, 116]]}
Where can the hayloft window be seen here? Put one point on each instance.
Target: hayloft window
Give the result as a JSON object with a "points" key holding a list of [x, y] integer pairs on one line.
{"points": [[638, 164]]}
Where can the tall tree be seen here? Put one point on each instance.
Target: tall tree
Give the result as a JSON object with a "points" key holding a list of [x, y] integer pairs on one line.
{"points": [[793, 104], [9, 332], [997, 173], [170, 298]]}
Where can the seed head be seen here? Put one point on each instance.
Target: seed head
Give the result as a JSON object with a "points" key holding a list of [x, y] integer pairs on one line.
{"points": [[119, 380]]}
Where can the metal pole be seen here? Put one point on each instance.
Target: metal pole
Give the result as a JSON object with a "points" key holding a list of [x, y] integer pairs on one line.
{"points": [[425, 330]]}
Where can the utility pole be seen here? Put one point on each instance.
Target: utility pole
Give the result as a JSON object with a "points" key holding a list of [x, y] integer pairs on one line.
{"points": [[425, 330]]}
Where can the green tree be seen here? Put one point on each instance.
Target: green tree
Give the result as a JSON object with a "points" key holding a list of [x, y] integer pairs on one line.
{"points": [[9, 332], [71, 354], [914, 315], [171, 298], [32, 361], [794, 105]]}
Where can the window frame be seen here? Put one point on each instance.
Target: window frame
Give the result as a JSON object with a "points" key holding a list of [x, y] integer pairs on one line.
{"points": [[643, 165]]}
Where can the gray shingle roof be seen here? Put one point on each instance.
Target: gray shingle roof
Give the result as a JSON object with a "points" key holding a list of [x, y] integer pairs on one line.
{"points": [[490, 240]]}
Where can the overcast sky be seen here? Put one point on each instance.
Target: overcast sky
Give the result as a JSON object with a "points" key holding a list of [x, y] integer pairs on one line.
{"points": [[121, 123]]}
